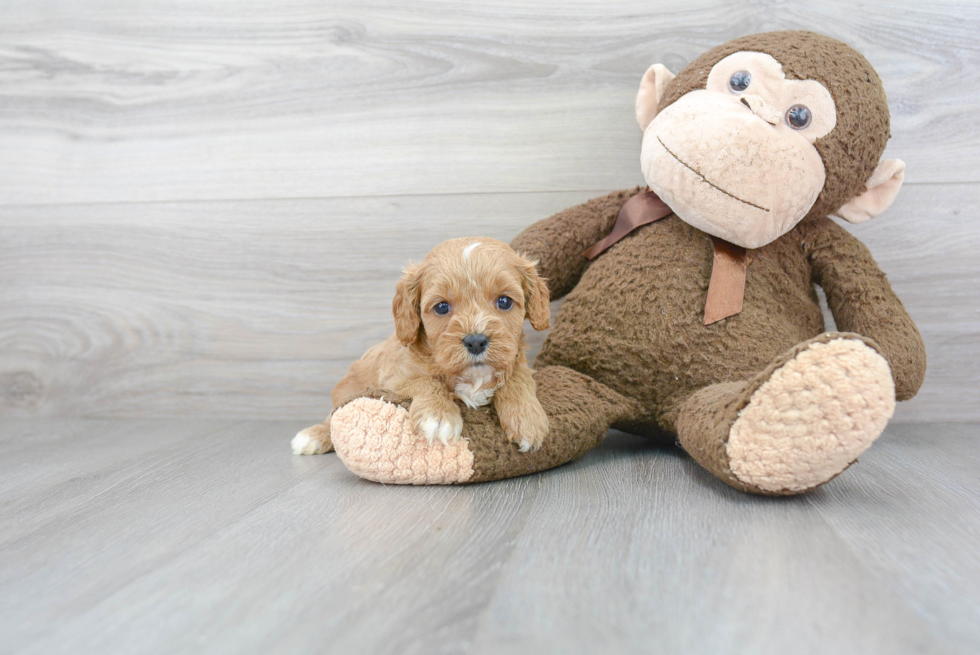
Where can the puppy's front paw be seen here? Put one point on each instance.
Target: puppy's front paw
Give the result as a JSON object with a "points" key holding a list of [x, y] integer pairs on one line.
{"points": [[441, 421], [525, 424], [314, 440]]}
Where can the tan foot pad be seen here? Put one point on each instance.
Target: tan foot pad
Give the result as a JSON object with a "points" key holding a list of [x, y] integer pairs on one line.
{"points": [[813, 417], [376, 441]]}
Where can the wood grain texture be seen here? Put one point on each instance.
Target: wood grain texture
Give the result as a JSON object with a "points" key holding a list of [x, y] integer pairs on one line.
{"points": [[220, 309], [256, 309], [203, 210], [204, 206], [198, 537], [102, 100], [927, 504]]}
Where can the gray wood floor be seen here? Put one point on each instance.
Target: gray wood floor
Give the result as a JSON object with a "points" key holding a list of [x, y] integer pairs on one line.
{"points": [[187, 536], [203, 210], [204, 206]]}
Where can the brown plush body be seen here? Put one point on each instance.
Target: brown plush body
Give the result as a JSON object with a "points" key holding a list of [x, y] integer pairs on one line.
{"points": [[633, 319], [764, 399]]}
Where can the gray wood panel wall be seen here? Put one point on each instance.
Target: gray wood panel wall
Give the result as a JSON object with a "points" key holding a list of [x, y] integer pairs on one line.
{"points": [[204, 205]]}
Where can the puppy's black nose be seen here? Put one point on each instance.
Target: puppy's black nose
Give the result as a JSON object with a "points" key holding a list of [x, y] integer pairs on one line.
{"points": [[476, 343]]}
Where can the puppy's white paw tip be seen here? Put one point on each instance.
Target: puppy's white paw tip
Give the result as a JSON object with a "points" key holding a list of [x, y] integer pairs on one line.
{"points": [[430, 429], [527, 446], [306, 443], [448, 431], [302, 444], [441, 429]]}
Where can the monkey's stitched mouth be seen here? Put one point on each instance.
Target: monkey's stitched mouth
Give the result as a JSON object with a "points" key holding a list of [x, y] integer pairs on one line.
{"points": [[707, 181]]}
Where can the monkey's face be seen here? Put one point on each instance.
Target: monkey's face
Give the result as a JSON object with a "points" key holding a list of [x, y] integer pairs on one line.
{"points": [[737, 158]]}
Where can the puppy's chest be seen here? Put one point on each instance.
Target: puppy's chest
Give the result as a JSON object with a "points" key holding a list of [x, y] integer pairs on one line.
{"points": [[476, 386]]}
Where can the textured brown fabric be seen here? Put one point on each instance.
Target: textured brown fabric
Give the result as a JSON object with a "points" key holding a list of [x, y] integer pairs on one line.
{"points": [[645, 207], [559, 241], [635, 320], [854, 147], [705, 419], [580, 412], [703, 425], [726, 288], [631, 328], [862, 300]]}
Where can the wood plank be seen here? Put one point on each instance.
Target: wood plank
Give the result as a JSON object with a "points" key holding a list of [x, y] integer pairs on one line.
{"points": [[238, 543], [90, 550], [668, 559], [246, 303], [40, 483], [912, 514], [256, 309], [231, 544], [179, 99]]}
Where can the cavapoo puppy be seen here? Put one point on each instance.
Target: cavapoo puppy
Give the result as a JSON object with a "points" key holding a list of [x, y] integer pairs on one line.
{"points": [[459, 334]]}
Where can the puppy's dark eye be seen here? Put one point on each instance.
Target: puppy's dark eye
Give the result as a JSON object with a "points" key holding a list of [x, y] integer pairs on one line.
{"points": [[441, 308], [740, 81], [798, 117], [504, 302]]}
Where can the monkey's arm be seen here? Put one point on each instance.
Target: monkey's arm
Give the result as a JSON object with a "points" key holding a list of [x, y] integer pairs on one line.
{"points": [[557, 243], [862, 301]]}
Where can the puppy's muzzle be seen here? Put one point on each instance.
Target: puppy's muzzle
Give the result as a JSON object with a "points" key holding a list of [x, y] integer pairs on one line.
{"points": [[476, 343]]}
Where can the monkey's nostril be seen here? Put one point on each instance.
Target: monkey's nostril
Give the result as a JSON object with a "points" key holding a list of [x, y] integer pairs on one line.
{"points": [[745, 102], [476, 343]]}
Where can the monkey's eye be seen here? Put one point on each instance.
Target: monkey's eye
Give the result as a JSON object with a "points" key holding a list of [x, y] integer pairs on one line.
{"points": [[798, 117], [740, 81], [441, 308], [504, 303]]}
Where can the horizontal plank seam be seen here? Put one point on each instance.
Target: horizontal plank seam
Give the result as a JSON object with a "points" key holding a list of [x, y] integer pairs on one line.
{"points": [[4, 206]]}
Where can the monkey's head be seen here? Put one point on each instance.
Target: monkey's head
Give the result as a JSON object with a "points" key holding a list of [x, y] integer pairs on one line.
{"points": [[761, 132]]}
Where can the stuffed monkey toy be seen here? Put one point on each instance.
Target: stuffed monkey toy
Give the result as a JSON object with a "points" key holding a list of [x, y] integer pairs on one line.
{"points": [[692, 315]]}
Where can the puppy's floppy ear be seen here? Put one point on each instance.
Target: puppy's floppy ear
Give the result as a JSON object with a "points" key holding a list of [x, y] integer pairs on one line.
{"points": [[536, 297], [405, 306]]}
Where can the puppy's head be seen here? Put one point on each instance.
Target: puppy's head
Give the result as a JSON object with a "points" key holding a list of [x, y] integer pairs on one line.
{"points": [[465, 305]]}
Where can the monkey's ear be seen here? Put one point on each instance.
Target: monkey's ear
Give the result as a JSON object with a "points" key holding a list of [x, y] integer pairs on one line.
{"points": [[405, 306], [536, 297], [883, 186], [652, 86]]}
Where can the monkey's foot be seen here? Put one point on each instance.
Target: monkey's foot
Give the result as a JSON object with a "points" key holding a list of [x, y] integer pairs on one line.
{"points": [[798, 424], [314, 440], [376, 440]]}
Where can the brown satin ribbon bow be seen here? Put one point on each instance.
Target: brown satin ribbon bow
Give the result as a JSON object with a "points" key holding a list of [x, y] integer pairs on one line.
{"points": [[726, 289]]}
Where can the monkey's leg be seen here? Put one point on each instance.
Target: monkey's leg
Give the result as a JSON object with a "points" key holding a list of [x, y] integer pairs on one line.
{"points": [[314, 440], [797, 424], [376, 441]]}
